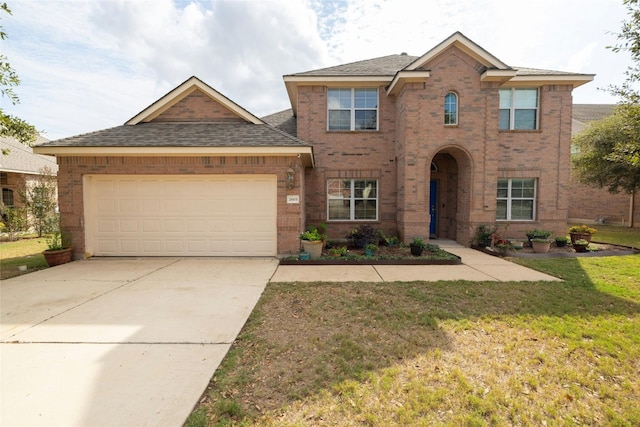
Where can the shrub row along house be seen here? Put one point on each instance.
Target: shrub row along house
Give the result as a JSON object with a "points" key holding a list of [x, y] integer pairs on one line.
{"points": [[428, 146]]}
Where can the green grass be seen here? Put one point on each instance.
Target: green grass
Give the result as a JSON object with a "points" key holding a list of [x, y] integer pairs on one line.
{"points": [[27, 251], [443, 353], [617, 235]]}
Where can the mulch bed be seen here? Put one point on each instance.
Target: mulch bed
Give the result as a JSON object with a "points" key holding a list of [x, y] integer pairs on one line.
{"points": [[386, 255], [595, 249]]}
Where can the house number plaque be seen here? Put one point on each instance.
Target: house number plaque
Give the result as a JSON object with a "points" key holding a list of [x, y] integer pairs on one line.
{"points": [[293, 199]]}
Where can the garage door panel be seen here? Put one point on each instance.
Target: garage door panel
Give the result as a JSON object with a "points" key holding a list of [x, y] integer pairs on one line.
{"points": [[183, 215], [127, 206]]}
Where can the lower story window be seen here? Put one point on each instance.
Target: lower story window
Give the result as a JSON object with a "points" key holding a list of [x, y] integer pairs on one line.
{"points": [[7, 197], [352, 199], [516, 199]]}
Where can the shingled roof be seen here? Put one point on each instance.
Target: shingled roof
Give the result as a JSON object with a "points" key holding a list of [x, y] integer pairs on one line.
{"points": [[583, 114], [382, 66], [21, 158], [184, 134]]}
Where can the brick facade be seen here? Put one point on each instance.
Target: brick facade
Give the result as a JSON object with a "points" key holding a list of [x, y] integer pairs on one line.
{"points": [[468, 158], [72, 170], [411, 151], [589, 204]]}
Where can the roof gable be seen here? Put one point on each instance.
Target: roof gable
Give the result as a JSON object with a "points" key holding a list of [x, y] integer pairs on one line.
{"points": [[464, 44], [161, 110]]}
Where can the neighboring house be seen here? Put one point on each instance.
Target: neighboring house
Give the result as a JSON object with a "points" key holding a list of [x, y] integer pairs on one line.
{"points": [[592, 204], [425, 146], [20, 167]]}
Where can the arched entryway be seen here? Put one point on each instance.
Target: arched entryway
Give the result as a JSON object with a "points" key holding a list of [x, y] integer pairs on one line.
{"points": [[449, 194]]}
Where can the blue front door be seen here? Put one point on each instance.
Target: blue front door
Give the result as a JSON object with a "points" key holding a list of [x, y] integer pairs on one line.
{"points": [[433, 207]]}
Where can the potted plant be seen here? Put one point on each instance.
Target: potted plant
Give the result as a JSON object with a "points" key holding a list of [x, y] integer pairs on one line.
{"points": [[484, 235], [516, 244], [338, 251], [580, 245], [541, 245], [537, 233], [578, 232], [362, 236], [57, 252], [561, 241], [392, 241], [312, 241], [417, 246], [371, 249]]}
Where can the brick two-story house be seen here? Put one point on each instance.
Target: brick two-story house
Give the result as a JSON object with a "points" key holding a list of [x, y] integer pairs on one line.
{"points": [[416, 146]]}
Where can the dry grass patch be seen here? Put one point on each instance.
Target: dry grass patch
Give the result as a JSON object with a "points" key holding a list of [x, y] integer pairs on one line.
{"points": [[447, 353]]}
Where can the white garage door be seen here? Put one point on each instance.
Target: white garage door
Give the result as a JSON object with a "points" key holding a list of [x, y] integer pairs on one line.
{"points": [[180, 215]]}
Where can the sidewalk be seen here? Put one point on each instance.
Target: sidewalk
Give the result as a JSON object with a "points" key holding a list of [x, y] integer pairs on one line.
{"points": [[476, 266]]}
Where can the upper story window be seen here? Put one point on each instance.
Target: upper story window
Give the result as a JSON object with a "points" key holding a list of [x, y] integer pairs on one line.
{"points": [[353, 109], [519, 109], [451, 109]]}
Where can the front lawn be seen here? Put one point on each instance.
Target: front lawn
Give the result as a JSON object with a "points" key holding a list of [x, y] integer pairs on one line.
{"points": [[443, 353], [619, 235], [26, 251]]}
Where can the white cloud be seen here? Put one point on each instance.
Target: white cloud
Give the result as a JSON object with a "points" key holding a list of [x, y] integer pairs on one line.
{"points": [[87, 65]]}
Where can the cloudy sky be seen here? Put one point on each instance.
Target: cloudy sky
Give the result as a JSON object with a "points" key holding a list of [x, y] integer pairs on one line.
{"points": [[90, 65]]}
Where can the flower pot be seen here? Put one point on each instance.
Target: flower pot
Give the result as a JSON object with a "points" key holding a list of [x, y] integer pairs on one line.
{"points": [[580, 248], [416, 250], [58, 257], [541, 247], [561, 243], [314, 247], [516, 244], [577, 236], [304, 256]]}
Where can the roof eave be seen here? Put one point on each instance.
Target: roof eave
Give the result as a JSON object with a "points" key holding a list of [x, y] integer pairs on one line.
{"points": [[403, 77], [497, 75], [292, 83], [574, 80], [304, 152]]}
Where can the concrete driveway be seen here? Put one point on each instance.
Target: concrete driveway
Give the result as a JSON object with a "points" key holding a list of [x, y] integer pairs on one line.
{"points": [[120, 342]]}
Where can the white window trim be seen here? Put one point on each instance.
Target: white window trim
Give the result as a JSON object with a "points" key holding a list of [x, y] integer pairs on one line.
{"points": [[512, 110], [457, 99], [509, 199], [352, 111], [352, 199]]}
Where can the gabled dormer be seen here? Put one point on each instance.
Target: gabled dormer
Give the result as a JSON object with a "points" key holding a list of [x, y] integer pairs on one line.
{"points": [[491, 68], [193, 100]]}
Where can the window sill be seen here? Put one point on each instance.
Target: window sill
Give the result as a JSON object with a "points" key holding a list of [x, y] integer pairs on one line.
{"points": [[519, 131], [354, 131], [351, 221]]}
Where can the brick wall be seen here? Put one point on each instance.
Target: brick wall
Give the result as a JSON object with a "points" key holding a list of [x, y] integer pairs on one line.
{"points": [[586, 204], [473, 154], [365, 154], [72, 170], [197, 106]]}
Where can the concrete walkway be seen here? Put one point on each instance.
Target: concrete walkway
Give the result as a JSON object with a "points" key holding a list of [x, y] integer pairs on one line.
{"points": [[134, 342], [120, 342], [476, 266]]}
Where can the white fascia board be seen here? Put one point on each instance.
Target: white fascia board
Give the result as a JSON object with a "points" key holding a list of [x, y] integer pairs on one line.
{"points": [[306, 153], [573, 80], [403, 77]]}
